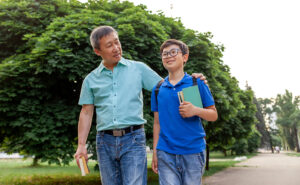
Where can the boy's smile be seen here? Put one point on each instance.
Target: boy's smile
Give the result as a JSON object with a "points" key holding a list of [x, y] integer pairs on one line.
{"points": [[171, 60]]}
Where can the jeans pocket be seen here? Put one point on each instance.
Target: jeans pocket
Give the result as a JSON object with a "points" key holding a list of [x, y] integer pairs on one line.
{"points": [[202, 160], [139, 138], [99, 141]]}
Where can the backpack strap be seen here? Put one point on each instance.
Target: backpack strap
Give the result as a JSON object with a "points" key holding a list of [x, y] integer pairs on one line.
{"points": [[194, 81], [157, 88]]}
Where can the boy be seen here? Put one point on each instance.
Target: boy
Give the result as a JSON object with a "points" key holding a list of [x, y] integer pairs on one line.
{"points": [[178, 134]]}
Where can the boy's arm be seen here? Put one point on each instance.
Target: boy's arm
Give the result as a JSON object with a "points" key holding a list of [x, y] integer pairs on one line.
{"points": [[187, 109], [156, 130]]}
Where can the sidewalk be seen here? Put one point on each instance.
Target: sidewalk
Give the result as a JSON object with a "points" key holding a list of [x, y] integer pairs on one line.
{"points": [[10, 156], [263, 169]]}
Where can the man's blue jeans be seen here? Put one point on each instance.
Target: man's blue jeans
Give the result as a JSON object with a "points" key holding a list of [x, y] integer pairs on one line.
{"points": [[180, 169], [122, 160]]}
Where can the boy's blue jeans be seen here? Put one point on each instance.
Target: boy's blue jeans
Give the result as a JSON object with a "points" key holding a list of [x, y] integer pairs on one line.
{"points": [[180, 169], [122, 160]]}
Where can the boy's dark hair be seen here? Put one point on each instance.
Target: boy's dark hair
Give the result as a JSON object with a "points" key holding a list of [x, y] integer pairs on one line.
{"points": [[183, 47], [98, 33]]}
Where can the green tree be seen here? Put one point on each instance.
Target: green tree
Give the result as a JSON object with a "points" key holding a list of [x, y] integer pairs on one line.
{"points": [[245, 121], [40, 87], [287, 109]]}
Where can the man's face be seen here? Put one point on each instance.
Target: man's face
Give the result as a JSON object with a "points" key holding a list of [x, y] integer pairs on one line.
{"points": [[110, 49], [172, 58]]}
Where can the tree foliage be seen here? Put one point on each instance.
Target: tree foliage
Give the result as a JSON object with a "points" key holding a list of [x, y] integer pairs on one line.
{"points": [[40, 80], [287, 110], [21, 20]]}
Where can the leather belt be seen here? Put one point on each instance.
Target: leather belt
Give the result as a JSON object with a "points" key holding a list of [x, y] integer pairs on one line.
{"points": [[121, 132]]}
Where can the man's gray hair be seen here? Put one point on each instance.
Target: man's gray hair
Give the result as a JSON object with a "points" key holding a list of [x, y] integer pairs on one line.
{"points": [[98, 33]]}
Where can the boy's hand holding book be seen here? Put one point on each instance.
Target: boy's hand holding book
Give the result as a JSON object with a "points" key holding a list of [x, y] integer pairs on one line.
{"points": [[187, 109]]}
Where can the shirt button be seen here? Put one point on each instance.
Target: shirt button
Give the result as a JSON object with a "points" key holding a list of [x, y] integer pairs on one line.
{"points": [[115, 94], [115, 83], [114, 119], [174, 89]]}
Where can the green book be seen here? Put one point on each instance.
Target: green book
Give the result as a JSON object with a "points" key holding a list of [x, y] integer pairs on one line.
{"points": [[191, 94]]}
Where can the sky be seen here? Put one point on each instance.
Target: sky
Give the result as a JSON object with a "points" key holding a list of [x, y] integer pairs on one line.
{"points": [[261, 37]]}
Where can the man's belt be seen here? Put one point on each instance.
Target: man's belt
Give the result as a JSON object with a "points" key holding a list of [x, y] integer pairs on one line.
{"points": [[122, 132]]}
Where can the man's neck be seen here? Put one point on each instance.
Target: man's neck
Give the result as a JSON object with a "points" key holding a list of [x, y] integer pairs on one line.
{"points": [[109, 65], [176, 76]]}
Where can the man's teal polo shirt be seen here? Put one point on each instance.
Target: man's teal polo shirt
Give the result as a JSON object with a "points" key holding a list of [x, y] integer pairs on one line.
{"points": [[117, 95]]}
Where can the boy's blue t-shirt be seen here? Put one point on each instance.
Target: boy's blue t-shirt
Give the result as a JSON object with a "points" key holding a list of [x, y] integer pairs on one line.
{"points": [[179, 135]]}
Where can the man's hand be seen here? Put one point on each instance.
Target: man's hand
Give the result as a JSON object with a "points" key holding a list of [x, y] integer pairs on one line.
{"points": [[81, 151], [154, 163], [201, 76], [187, 109]]}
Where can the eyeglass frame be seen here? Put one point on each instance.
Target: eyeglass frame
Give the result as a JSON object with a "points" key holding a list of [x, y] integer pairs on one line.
{"points": [[169, 53]]}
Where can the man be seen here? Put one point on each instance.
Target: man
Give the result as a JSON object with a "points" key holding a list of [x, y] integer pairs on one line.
{"points": [[115, 90]]}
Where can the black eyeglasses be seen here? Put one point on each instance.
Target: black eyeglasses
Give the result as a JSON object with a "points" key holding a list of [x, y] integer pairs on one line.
{"points": [[172, 53]]}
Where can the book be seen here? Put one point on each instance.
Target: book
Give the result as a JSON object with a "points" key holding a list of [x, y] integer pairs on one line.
{"points": [[190, 94], [83, 166]]}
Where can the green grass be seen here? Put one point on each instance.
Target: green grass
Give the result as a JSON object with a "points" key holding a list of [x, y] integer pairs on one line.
{"points": [[220, 155], [216, 166], [294, 154], [20, 172]]}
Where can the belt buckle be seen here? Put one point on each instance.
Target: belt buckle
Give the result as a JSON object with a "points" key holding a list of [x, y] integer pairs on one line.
{"points": [[118, 133]]}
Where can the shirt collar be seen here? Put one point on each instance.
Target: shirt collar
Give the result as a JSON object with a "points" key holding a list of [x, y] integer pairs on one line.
{"points": [[182, 81], [121, 62]]}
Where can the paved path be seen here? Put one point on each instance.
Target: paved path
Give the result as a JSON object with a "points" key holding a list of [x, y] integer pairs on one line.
{"points": [[263, 169]]}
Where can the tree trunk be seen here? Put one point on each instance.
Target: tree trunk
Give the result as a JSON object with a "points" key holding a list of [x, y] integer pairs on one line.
{"points": [[290, 135], [270, 140], [224, 152], [35, 161], [296, 139]]}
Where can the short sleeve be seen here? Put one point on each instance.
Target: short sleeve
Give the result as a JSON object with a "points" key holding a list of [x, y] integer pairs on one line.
{"points": [[149, 77], [154, 107], [86, 94], [206, 96]]}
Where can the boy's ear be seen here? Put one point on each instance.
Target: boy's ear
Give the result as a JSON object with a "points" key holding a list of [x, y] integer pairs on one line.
{"points": [[185, 58]]}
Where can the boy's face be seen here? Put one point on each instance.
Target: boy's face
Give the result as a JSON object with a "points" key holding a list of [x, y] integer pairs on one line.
{"points": [[173, 59], [110, 48]]}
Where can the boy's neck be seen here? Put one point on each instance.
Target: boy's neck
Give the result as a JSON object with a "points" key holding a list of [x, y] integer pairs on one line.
{"points": [[176, 76]]}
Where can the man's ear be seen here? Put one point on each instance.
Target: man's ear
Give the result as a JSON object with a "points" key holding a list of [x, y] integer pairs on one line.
{"points": [[97, 51]]}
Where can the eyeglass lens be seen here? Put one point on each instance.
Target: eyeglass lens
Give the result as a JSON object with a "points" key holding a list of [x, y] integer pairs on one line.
{"points": [[172, 52]]}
